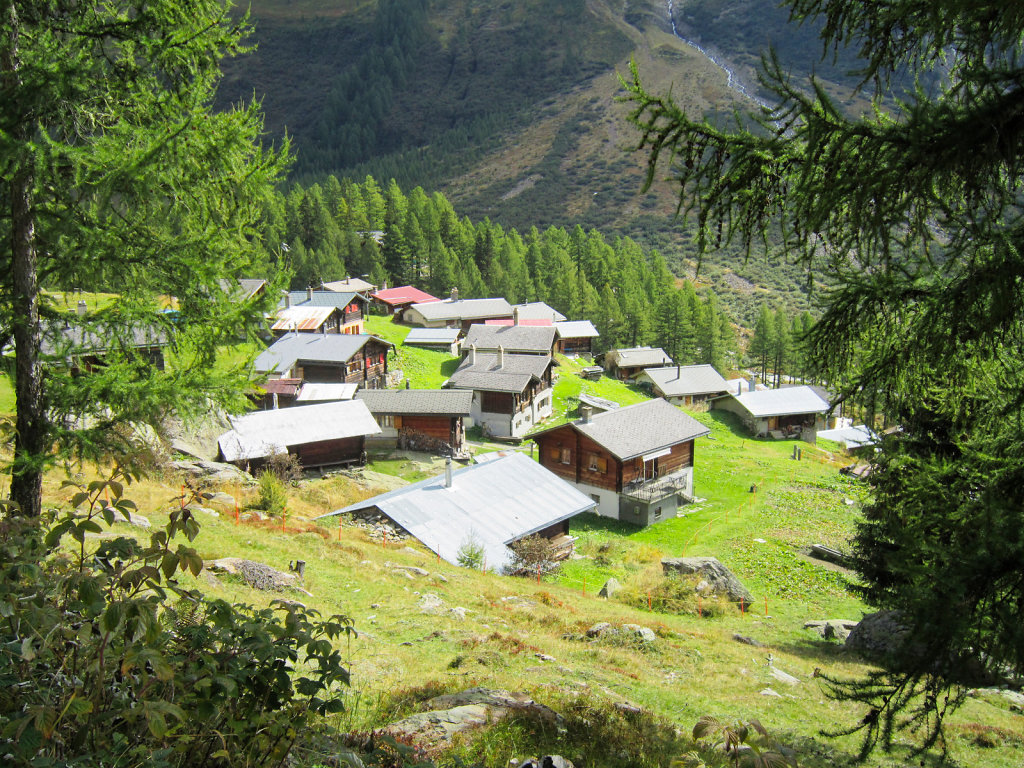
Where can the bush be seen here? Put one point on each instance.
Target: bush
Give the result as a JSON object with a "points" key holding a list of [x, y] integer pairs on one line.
{"points": [[272, 496], [471, 552], [673, 594], [109, 661], [531, 554]]}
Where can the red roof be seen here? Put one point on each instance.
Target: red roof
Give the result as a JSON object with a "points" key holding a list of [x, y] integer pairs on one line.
{"points": [[403, 294], [523, 321], [288, 387]]}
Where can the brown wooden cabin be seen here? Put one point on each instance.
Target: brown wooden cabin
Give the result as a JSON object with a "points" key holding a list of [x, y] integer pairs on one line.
{"points": [[420, 419], [636, 462], [328, 358]]}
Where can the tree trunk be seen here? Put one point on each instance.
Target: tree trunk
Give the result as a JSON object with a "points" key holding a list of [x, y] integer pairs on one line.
{"points": [[30, 436]]}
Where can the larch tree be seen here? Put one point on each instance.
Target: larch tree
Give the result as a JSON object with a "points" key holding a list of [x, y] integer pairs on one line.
{"points": [[118, 175], [913, 212]]}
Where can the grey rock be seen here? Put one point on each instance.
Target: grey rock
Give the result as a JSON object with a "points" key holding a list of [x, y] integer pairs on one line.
{"points": [[220, 499], [548, 761], [256, 575], [139, 521], [877, 634], [748, 640], [430, 603], [201, 510], [832, 629], [215, 472], [610, 588], [601, 629], [544, 657], [783, 677], [720, 578], [458, 613], [643, 634], [770, 692]]}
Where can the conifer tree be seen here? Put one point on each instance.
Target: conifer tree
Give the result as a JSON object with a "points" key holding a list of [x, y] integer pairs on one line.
{"points": [[912, 209]]}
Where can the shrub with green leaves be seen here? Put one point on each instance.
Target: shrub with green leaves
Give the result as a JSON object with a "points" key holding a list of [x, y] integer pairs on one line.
{"points": [[106, 660], [272, 497]]}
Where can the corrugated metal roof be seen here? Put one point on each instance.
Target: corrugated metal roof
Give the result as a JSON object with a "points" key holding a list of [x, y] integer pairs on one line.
{"points": [[348, 285], [497, 502], [311, 347], [432, 336], [679, 380], [634, 430], [322, 393], [515, 373], [74, 339], [403, 294], [463, 309], [523, 321], [627, 358], [538, 310], [512, 338], [264, 433], [852, 437], [301, 318], [242, 288], [435, 401], [282, 386], [576, 329], [782, 402]]}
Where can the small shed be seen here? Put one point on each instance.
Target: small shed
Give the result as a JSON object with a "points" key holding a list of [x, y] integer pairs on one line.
{"points": [[576, 337], [441, 339], [493, 505], [394, 301], [684, 384], [349, 285], [420, 419], [778, 413], [456, 313], [318, 435], [626, 363]]}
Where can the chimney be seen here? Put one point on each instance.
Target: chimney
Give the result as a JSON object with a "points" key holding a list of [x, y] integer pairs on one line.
{"points": [[448, 472], [679, 371], [739, 387], [472, 354], [501, 356], [455, 294], [309, 293], [515, 315], [81, 309], [753, 383], [287, 299], [585, 411]]}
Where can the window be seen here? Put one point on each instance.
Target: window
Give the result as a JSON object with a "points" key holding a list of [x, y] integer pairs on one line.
{"points": [[566, 456], [595, 497], [597, 463], [657, 512], [386, 420], [556, 453]]}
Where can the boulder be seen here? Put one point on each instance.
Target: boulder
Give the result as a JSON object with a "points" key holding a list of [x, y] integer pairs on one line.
{"points": [[548, 761], [215, 472], [748, 640], [430, 603], [877, 634], [458, 712], [637, 632], [220, 500], [601, 629], [139, 521], [719, 578], [256, 575], [832, 629], [610, 588]]}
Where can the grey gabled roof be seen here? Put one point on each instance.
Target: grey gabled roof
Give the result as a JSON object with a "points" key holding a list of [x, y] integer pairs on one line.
{"points": [[58, 339], [538, 310], [514, 375], [336, 299], [242, 288], [635, 430], [782, 402], [260, 434], [535, 339], [442, 402], [427, 336], [463, 309], [312, 347], [633, 356], [680, 380], [852, 437], [496, 503], [576, 329]]}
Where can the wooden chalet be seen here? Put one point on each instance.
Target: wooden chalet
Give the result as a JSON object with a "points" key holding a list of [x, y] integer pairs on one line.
{"points": [[420, 419], [576, 337], [627, 363], [778, 413], [515, 339], [636, 462], [684, 384], [394, 301], [312, 311], [511, 393], [456, 313], [327, 358], [83, 348], [318, 435]]}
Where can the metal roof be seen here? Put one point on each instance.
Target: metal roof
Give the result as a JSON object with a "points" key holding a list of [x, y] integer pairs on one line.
{"points": [[434, 401], [403, 294], [463, 309], [335, 299], [57, 338], [282, 386], [633, 356], [514, 374], [322, 393], [782, 402], [512, 338], [538, 310], [598, 402], [348, 285], [311, 347], [852, 437], [264, 433], [685, 380], [576, 329], [495, 503], [242, 288], [428, 336], [302, 318], [634, 430]]}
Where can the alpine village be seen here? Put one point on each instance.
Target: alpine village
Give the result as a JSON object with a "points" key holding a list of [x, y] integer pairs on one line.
{"points": [[394, 383]]}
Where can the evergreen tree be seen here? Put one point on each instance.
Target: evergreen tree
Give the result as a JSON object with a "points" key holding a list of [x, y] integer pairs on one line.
{"points": [[781, 344], [913, 210], [118, 174], [763, 341]]}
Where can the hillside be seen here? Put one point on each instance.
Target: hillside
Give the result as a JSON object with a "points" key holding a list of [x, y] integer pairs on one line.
{"points": [[510, 110]]}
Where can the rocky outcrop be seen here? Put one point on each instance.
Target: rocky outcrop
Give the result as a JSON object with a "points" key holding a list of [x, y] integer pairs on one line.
{"points": [[256, 575], [610, 588], [719, 579], [832, 629], [877, 635], [458, 712], [214, 472]]}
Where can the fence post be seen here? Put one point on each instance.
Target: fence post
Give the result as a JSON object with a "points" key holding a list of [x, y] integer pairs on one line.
{"points": [[742, 608], [766, 605], [584, 586]]}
